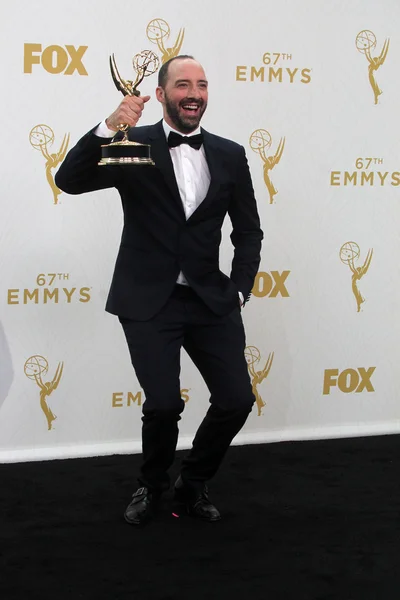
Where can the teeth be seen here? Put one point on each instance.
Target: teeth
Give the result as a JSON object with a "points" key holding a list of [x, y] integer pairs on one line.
{"points": [[190, 106]]}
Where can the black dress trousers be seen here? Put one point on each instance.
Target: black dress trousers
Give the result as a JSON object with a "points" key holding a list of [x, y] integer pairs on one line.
{"points": [[216, 345]]}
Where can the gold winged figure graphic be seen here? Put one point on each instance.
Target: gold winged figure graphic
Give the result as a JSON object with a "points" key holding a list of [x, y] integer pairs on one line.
{"points": [[46, 389], [358, 273], [374, 64], [349, 252], [35, 368], [269, 164], [252, 355], [168, 53], [260, 142], [366, 43], [158, 30], [52, 161], [41, 137]]}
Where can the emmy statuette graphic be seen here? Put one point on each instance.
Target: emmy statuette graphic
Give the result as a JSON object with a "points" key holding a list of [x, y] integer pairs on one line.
{"points": [[349, 252], [157, 31], [260, 141], [41, 137], [366, 43], [252, 355], [35, 367]]}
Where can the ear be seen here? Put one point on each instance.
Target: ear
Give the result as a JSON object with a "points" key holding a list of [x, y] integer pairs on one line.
{"points": [[160, 94]]}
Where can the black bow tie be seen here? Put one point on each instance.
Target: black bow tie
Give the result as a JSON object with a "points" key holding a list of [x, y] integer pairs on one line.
{"points": [[195, 141]]}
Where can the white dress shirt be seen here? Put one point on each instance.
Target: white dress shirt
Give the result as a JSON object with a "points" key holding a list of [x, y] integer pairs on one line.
{"points": [[191, 172], [192, 176]]}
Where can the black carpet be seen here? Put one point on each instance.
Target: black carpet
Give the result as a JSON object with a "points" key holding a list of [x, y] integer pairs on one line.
{"points": [[301, 520]]}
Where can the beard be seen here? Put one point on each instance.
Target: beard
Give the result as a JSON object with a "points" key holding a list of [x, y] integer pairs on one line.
{"points": [[184, 122]]}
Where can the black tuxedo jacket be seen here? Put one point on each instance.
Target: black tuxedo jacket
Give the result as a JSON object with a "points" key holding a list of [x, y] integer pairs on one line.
{"points": [[157, 240]]}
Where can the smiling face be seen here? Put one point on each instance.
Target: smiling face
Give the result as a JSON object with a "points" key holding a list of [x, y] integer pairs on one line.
{"points": [[185, 95]]}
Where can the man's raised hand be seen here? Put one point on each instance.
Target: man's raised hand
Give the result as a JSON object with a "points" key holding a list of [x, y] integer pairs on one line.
{"points": [[128, 112]]}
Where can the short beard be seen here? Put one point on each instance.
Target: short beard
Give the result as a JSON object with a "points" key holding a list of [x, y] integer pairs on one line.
{"points": [[182, 124]]}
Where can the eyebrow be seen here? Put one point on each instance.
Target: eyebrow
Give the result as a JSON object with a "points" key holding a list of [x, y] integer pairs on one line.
{"points": [[188, 80]]}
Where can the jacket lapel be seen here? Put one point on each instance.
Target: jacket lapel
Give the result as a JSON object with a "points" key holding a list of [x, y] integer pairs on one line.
{"points": [[161, 156], [214, 164]]}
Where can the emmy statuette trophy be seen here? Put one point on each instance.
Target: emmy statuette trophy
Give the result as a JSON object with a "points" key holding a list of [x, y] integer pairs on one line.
{"points": [[125, 152]]}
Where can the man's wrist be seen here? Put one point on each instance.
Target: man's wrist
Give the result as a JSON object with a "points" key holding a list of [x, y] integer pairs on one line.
{"points": [[103, 131]]}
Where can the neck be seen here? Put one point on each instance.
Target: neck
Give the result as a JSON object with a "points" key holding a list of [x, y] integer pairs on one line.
{"points": [[177, 128]]}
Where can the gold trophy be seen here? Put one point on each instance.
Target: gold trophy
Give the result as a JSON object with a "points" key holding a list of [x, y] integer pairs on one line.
{"points": [[125, 152]]}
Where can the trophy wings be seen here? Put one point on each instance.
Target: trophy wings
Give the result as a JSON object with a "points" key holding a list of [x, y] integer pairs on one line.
{"points": [[64, 147], [178, 44], [383, 54], [56, 379], [362, 270], [278, 154], [261, 375], [122, 85]]}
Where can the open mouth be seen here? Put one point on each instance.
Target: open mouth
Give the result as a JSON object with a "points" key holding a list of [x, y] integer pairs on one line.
{"points": [[190, 108]]}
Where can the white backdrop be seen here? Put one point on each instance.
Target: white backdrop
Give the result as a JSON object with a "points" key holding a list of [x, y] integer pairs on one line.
{"points": [[300, 72]]}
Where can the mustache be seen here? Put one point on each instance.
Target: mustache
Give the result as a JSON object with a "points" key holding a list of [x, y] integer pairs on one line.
{"points": [[198, 101]]}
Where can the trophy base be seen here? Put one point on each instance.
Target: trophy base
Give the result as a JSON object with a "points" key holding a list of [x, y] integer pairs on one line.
{"points": [[126, 160], [125, 153]]}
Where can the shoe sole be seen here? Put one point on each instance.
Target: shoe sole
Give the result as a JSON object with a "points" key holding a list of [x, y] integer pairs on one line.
{"points": [[138, 522], [212, 520], [181, 509]]}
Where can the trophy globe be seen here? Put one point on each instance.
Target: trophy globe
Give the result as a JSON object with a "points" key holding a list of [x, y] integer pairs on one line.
{"points": [[365, 41], [349, 252], [260, 140], [145, 63], [157, 29], [35, 366], [252, 355], [41, 135]]}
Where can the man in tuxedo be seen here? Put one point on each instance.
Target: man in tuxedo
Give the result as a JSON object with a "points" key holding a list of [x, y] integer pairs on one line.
{"points": [[167, 288]]}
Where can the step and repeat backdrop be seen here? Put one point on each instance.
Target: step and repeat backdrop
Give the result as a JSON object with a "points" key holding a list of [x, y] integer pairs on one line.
{"points": [[311, 89]]}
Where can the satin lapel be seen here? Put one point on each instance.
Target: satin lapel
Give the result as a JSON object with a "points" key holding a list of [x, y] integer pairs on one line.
{"points": [[214, 164], [161, 156]]}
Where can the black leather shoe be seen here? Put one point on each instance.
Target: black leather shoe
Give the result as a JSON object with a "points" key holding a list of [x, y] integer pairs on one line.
{"points": [[197, 505], [142, 507]]}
